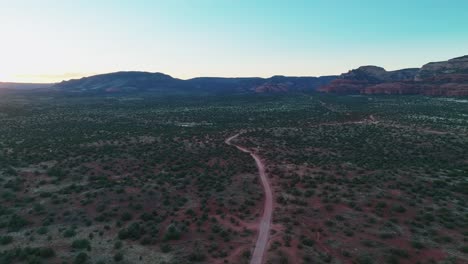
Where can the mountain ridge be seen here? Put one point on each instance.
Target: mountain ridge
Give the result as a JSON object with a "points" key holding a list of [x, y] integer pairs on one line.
{"points": [[135, 81], [444, 78]]}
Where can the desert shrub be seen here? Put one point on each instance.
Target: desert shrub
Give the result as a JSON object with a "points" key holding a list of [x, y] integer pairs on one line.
{"points": [[386, 235], [16, 223], [32, 255], [81, 258], [126, 216], [134, 231], [42, 230], [381, 205], [118, 245], [146, 216], [464, 249], [399, 209], [401, 253], [81, 244], [147, 241], [417, 244], [172, 233], [118, 257], [38, 208], [4, 240], [197, 256], [46, 252], [69, 232], [283, 258], [364, 259], [307, 241], [165, 248], [56, 172]]}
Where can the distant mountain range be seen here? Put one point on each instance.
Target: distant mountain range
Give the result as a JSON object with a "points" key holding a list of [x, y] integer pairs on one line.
{"points": [[130, 82], [446, 78]]}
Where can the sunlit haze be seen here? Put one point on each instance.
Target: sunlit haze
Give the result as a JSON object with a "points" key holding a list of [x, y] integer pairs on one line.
{"points": [[50, 41]]}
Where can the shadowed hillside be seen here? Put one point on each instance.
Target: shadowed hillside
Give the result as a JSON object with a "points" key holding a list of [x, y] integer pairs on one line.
{"points": [[129, 82]]}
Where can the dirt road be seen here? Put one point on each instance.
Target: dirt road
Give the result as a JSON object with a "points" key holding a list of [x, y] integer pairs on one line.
{"points": [[265, 222]]}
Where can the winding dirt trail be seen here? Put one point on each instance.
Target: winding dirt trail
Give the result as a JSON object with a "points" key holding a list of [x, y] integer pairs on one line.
{"points": [[265, 222]]}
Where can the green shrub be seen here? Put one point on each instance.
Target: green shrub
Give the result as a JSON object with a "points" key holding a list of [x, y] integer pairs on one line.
{"points": [[16, 222], [42, 230], [307, 242], [417, 244], [118, 257], [81, 244], [133, 231], [126, 216], [81, 258], [46, 252], [165, 248], [172, 233], [197, 256], [69, 233], [5, 240], [464, 249], [118, 245]]}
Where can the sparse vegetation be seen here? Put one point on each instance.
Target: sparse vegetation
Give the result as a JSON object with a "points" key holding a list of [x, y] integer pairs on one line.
{"points": [[98, 178]]}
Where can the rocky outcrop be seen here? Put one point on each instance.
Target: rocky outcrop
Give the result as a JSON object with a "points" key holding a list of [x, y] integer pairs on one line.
{"points": [[448, 78], [374, 74], [436, 69]]}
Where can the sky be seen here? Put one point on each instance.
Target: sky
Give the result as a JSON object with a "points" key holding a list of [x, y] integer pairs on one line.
{"points": [[54, 40]]}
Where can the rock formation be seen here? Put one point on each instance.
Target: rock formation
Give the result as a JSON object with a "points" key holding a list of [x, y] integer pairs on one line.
{"points": [[447, 78]]}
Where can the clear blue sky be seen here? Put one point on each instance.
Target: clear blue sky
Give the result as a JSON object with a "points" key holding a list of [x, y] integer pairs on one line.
{"points": [[51, 40]]}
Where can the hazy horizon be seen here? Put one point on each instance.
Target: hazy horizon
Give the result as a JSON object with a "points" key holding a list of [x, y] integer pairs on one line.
{"points": [[50, 41]]}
